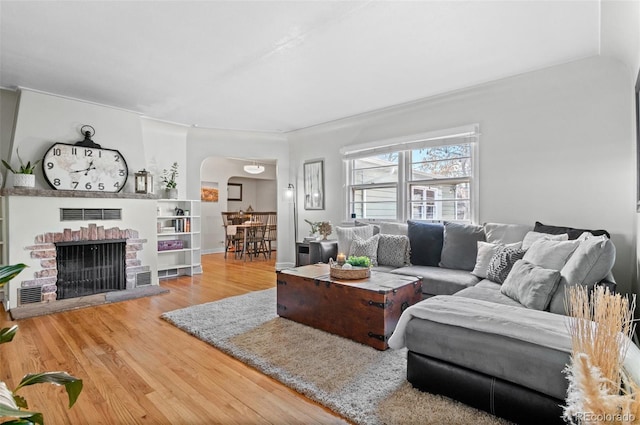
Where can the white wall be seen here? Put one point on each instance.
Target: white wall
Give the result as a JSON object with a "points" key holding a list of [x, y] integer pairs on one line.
{"points": [[164, 144], [8, 105], [206, 143], [258, 191], [556, 146]]}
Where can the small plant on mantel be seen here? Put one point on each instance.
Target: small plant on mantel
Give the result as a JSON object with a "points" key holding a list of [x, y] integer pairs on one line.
{"points": [[169, 176], [27, 168], [12, 406]]}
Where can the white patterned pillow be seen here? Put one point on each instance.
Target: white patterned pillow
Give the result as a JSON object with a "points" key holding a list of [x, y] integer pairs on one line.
{"points": [[393, 250], [365, 248], [347, 234]]}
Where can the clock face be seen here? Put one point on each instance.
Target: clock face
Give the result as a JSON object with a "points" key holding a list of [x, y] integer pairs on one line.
{"points": [[72, 167]]}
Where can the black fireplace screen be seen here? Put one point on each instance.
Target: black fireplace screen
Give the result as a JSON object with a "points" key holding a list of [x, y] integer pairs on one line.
{"points": [[90, 267]]}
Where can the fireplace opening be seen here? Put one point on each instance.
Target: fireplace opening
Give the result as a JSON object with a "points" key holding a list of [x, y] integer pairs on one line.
{"points": [[90, 267]]}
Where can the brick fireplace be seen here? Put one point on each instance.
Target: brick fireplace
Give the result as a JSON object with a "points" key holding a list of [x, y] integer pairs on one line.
{"points": [[36, 220], [44, 250]]}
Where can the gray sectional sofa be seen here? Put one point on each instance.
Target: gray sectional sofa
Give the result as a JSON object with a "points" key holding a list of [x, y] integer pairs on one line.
{"points": [[490, 330]]}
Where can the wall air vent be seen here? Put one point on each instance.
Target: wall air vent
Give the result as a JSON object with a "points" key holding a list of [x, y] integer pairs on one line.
{"points": [[75, 214], [143, 279], [29, 295]]}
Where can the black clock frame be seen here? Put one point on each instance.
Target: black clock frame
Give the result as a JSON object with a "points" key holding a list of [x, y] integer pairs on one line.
{"points": [[92, 145]]}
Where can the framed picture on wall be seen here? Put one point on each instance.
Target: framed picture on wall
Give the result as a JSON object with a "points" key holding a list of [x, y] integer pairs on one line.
{"points": [[234, 192], [314, 185]]}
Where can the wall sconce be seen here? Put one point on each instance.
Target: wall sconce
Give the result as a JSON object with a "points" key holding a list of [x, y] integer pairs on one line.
{"points": [[144, 182]]}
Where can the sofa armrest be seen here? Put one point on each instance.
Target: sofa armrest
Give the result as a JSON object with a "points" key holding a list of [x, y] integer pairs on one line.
{"points": [[321, 251]]}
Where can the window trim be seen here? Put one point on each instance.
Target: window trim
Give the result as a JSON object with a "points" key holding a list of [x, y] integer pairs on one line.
{"points": [[458, 135]]}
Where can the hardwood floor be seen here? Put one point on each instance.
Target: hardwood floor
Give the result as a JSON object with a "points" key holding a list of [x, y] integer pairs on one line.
{"points": [[138, 369]]}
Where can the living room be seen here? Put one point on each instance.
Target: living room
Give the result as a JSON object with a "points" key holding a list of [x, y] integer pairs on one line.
{"points": [[557, 143]]}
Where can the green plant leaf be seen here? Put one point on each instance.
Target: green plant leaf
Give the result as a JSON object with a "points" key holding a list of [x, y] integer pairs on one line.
{"points": [[9, 272], [9, 167], [9, 408], [72, 384], [21, 402], [7, 334]]}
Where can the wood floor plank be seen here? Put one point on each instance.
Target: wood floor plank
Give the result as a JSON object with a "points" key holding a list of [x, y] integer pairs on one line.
{"points": [[139, 369]]}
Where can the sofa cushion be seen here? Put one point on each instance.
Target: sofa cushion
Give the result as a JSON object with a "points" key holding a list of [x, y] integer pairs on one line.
{"points": [[346, 235], [502, 261], [426, 242], [365, 248], [590, 263], [531, 285], [460, 245], [572, 232], [393, 250], [550, 254], [505, 233], [485, 294], [390, 228], [531, 237], [438, 280], [486, 251]]}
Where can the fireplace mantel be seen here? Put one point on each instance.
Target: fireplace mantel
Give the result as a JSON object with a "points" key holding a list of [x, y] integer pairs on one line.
{"points": [[74, 194]]}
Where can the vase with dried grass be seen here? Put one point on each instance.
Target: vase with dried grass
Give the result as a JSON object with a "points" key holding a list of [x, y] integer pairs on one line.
{"points": [[600, 391]]}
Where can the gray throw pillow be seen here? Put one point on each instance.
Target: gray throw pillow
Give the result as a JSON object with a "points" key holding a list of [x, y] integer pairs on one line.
{"points": [[460, 246], [550, 254], [532, 237], [590, 263], [391, 228], [502, 261], [531, 285], [393, 250], [365, 247], [505, 233]]}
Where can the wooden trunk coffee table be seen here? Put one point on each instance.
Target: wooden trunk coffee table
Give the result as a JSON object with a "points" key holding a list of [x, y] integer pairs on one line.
{"points": [[364, 310]]}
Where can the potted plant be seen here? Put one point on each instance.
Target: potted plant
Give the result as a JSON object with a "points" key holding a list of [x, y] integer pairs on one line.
{"points": [[13, 405], [23, 176], [169, 181]]}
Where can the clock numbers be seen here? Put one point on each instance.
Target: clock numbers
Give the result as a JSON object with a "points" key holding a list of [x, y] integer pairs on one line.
{"points": [[84, 168]]}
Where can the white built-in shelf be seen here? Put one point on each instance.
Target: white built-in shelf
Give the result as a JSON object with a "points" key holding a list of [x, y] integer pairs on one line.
{"points": [[185, 261]]}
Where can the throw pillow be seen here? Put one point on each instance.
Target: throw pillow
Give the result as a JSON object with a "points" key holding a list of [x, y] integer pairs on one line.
{"points": [[502, 261], [426, 242], [590, 263], [365, 247], [485, 254], [346, 235], [531, 285], [572, 232], [531, 237], [390, 228], [460, 245], [376, 227], [550, 254], [505, 233], [393, 250]]}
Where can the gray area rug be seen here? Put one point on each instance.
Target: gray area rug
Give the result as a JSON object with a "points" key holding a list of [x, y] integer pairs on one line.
{"points": [[358, 382]]}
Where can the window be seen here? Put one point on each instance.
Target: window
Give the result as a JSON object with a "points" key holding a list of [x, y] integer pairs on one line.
{"points": [[421, 178]]}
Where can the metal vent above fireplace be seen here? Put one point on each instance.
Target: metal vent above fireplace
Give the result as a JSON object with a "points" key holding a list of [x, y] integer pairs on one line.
{"points": [[73, 214]]}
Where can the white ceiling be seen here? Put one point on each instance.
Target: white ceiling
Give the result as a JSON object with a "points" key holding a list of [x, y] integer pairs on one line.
{"points": [[281, 65]]}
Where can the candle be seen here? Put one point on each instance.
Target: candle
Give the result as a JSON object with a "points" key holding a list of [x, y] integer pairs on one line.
{"points": [[341, 259]]}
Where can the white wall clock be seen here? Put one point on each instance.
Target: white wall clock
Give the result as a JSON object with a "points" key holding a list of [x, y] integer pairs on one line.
{"points": [[84, 166]]}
